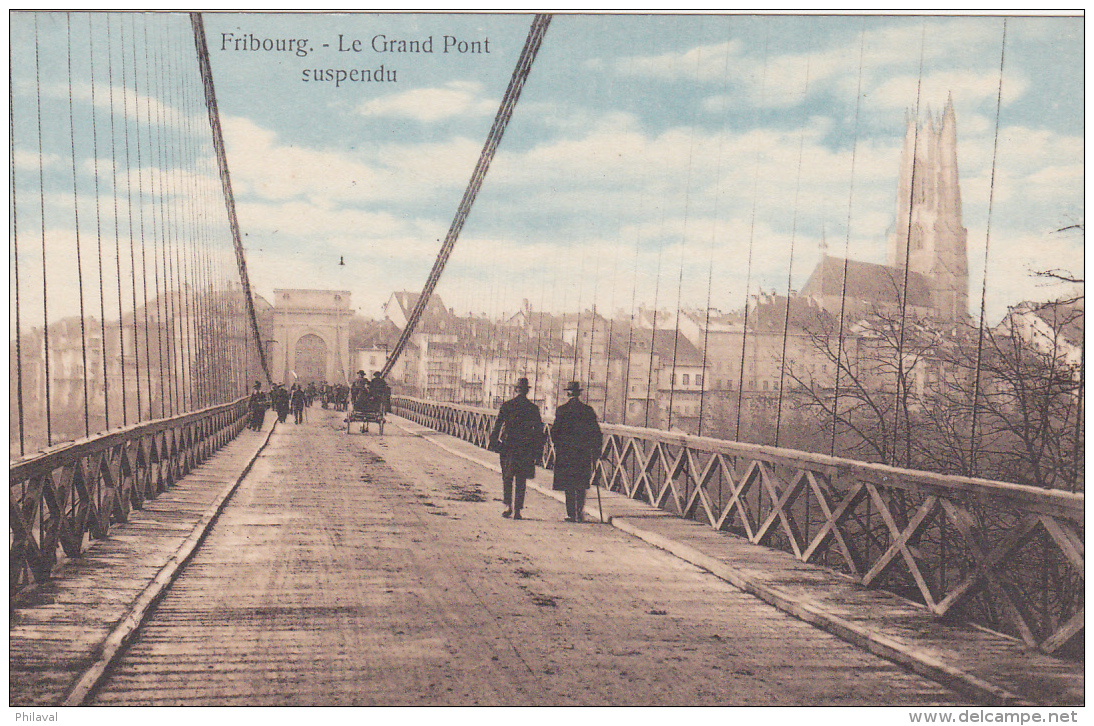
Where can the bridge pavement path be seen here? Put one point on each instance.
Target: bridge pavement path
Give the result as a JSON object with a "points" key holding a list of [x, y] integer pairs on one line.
{"points": [[360, 570]]}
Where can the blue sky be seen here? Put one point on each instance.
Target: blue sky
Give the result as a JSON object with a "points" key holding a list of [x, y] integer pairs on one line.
{"points": [[643, 145]]}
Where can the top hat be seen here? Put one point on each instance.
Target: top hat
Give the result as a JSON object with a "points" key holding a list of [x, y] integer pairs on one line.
{"points": [[522, 384], [574, 389]]}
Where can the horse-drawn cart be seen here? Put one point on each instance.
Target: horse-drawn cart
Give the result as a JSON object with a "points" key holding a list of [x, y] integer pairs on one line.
{"points": [[367, 409]]}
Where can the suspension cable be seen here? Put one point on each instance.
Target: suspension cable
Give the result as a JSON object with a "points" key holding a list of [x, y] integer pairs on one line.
{"points": [[76, 227], [512, 94], [847, 246], [901, 393], [790, 269], [592, 333], [751, 240], [713, 235], [117, 232], [15, 260], [630, 330], [226, 182], [98, 222], [42, 203], [987, 243], [170, 284], [129, 211], [182, 257], [608, 346], [683, 243], [653, 331], [144, 244]]}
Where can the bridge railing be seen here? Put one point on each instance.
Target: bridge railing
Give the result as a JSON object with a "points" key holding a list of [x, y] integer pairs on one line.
{"points": [[1005, 556], [75, 491]]}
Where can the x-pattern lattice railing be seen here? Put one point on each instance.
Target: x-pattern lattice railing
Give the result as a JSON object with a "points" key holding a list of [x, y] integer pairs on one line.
{"points": [[1006, 556], [74, 491]]}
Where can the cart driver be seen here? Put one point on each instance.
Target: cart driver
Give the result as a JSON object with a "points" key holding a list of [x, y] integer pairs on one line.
{"points": [[359, 391], [380, 391]]}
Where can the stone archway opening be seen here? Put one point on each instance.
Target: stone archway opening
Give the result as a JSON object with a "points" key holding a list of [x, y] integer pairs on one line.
{"points": [[311, 359]]}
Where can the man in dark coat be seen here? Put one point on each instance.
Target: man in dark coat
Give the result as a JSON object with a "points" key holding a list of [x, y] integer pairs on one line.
{"points": [[280, 399], [577, 439], [518, 438], [297, 398], [359, 391], [380, 391], [258, 402]]}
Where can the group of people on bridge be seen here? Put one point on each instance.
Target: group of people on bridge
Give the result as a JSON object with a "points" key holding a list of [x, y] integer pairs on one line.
{"points": [[298, 397], [281, 400], [518, 435], [518, 438]]}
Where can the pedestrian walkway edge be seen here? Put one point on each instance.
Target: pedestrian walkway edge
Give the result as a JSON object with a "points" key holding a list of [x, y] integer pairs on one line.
{"points": [[870, 640], [126, 628]]}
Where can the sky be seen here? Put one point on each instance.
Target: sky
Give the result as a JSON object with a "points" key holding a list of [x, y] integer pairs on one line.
{"points": [[651, 159]]}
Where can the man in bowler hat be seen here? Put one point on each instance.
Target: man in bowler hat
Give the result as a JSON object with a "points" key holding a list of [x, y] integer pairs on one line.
{"points": [[258, 403], [577, 438], [518, 437]]}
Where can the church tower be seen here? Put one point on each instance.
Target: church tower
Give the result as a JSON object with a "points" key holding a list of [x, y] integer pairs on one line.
{"points": [[929, 208]]}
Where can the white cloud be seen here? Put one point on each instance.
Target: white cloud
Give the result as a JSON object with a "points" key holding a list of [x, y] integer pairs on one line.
{"points": [[454, 99], [899, 92]]}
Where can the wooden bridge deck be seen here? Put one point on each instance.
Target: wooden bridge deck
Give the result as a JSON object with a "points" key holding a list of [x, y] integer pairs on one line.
{"points": [[368, 571]]}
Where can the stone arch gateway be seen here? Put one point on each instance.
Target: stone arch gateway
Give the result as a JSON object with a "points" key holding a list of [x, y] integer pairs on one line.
{"points": [[310, 336], [311, 354]]}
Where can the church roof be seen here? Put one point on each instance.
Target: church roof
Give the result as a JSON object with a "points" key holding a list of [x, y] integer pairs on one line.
{"points": [[769, 314], [867, 282]]}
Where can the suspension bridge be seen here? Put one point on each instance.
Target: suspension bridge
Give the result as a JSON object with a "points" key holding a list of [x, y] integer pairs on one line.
{"points": [[861, 476]]}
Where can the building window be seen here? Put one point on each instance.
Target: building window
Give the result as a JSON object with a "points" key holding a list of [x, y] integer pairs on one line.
{"points": [[698, 380], [686, 377]]}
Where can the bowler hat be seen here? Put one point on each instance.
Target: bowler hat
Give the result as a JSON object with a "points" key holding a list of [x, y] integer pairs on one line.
{"points": [[522, 384], [574, 388]]}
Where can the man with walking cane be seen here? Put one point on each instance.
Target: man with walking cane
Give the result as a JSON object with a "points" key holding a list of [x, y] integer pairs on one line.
{"points": [[577, 438]]}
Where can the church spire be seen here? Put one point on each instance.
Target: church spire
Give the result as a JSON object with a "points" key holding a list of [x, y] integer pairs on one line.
{"points": [[928, 230]]}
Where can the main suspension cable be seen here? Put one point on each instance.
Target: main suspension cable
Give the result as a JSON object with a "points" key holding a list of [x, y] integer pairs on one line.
{"points": [[505, 112], [226, 183]]}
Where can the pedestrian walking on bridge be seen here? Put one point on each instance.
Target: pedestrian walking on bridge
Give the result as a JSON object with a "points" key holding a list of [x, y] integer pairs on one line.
{"points": [[279, 397], [296, 402], [258, 404], [577, 439], [517, 436]]}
